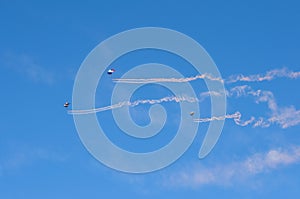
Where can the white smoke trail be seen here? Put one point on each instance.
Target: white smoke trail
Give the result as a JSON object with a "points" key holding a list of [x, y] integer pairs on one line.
{"points": [[268, 76], [176, 99], [282, 116], [237, 91], [232, 116], [89, 111], [173, 80], [206, 94], [236, 117]]}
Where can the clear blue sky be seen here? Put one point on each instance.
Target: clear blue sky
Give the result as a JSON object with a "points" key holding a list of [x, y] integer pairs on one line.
{"points": [[42, 45]]}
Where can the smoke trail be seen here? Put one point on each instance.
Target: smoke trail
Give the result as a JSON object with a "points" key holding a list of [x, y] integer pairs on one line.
{"points": [[89, 111], [285, 118], [173, 80], [206, 94], [268, 76], [237, 91], [176, 99], [236, 117], [282, 116]]}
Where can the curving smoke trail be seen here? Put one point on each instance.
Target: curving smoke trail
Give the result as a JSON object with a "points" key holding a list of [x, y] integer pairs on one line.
{"points": [[288, 117], [283, 116], [176, 99]]}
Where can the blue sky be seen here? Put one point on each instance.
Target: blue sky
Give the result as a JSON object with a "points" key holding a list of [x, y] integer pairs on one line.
{"points": [[43, 46]]}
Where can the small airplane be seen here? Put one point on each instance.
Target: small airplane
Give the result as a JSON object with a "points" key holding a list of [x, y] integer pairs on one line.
{"points": [[111, 71], [192, 113], [66, 104]]}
